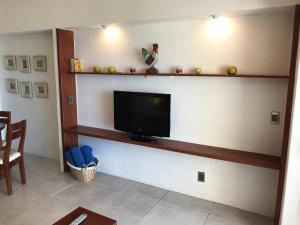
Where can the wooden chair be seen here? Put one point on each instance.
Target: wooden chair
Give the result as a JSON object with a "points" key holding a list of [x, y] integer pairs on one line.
{"points": [[9, 158], [5, 118]]}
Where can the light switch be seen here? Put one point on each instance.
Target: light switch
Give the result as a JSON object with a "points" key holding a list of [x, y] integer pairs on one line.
{"points": [[275, 117]]}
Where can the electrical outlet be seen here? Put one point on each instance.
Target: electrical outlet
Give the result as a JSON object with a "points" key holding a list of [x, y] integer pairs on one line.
{"points": [[70, 100], [201, 176], [275, 117]]}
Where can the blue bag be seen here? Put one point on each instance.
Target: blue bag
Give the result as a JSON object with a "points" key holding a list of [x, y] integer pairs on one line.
{"points": [[78, 157], [69, 157], [87, 152]]}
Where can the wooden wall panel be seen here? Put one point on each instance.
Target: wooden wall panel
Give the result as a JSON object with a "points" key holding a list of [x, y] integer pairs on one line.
{"points": [[67, 87], [288, 115]]}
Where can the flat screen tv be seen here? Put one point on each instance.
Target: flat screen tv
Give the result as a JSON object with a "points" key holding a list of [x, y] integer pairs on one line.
{"points": [[142, 114]]}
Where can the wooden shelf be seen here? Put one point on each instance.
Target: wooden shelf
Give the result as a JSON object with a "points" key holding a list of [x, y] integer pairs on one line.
{"points": [[183, 75], [243, 157], [65, 52]]}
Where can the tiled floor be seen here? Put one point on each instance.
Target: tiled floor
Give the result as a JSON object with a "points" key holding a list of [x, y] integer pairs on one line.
{"points": [[50, 194]]}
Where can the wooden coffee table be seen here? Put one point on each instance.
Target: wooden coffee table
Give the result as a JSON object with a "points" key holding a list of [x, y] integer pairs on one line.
{"points": [[92, 218]]}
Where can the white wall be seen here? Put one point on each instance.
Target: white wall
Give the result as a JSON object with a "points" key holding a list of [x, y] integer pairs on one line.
{"points": [[189, 44], [227, 112], [34, 15], [46, 14], [41, 114], [291, 206]]}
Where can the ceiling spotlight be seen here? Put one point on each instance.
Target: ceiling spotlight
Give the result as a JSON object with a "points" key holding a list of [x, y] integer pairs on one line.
{"points": [[219, 27], [214, 16], [111, 33]]}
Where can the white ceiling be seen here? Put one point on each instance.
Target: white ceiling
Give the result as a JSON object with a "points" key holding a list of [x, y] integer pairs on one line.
{"points": [[47, 14]]}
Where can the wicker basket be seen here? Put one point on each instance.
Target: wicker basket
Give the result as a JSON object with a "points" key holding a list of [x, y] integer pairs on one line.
{"points": [[84, 175]]}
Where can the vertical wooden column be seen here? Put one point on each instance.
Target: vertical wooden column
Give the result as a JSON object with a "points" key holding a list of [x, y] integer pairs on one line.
{"points": [[67, 87], [288, 114]]}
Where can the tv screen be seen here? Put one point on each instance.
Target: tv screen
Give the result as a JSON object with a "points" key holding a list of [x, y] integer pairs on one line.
{"points": [[146, 114]]}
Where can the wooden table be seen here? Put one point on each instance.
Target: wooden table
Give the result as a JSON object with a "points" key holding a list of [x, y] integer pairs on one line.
{"points": [[92, 218]]}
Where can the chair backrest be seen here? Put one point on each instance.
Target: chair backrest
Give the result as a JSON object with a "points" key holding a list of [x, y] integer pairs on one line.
{"points": [[5, 117], [15, 131]]}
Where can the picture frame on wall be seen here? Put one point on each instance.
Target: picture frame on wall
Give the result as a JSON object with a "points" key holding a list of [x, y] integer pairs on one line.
{"points": [[40, 63], [12, 86], [41, 89], [24, 63], [10, 62], [26, 89]]}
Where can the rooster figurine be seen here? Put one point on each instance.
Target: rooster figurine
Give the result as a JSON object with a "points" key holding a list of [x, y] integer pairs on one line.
{"points": [[151, 59]]}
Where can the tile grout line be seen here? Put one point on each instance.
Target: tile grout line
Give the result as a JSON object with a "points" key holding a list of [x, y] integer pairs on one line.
{"points": [[61, 190], [205, 219], [209, 213], [159, 200], [212, 208]]}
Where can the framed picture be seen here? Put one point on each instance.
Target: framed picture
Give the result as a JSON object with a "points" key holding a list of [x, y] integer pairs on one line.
{"points": [[26, 89], [12, 86], [41, 89], [40, 63], [24, 63], [10, 62]]}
